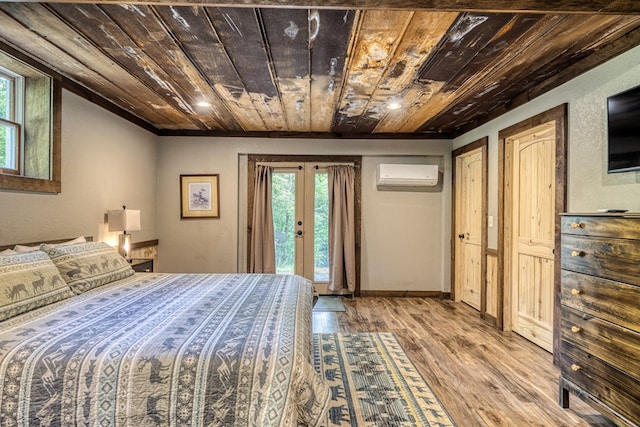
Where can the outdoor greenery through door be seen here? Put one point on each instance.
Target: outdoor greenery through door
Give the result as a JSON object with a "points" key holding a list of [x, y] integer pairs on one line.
{"points": [[287, 224]]}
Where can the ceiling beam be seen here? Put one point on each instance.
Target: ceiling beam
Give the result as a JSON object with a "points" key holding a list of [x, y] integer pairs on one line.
{"points": [[530, 6]]}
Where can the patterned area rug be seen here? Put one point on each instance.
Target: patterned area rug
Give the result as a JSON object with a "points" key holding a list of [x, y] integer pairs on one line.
{"points": [[329, 303], [374, 383]]}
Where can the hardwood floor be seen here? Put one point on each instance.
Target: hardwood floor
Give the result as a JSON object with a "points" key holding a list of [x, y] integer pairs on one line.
{"points": [[484, 377]]}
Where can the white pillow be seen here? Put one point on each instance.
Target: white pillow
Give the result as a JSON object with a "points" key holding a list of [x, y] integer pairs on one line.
{"points": [[80, 239], [21, 249], [8, 252]]}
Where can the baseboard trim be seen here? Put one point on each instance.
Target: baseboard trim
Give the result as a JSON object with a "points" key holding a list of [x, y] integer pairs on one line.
{"points": [[492, 320], [396, 294]]}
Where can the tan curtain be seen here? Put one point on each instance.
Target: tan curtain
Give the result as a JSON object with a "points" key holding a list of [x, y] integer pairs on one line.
{"points": [[342, 247], [263, 250]]}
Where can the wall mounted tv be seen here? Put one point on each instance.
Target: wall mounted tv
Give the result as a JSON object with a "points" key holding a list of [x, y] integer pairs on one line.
{"points": [[624, 131]]}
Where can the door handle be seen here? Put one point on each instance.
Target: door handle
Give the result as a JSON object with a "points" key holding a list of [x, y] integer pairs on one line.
{"points": [[461, 236], [299, 232]]}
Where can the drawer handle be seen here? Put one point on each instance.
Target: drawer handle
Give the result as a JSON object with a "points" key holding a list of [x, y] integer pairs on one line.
{"points": [[575, 329], [578, 253], [575, 291], [575, 368], [578, 225]]}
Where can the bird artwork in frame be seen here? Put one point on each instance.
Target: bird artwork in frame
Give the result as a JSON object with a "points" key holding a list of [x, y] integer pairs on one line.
{"points": [[199, 196]]}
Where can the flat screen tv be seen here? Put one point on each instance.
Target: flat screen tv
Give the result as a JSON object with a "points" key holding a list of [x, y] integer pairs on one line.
{"points": [[624, 131]]}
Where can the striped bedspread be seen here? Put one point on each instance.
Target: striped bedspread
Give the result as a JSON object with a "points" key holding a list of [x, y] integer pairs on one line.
{"points": [[166, 349]]}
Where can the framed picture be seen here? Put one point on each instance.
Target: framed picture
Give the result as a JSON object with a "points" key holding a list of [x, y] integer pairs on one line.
{"points": [[199, 196]]}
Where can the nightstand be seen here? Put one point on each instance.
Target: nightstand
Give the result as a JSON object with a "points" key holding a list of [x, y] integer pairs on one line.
{"points": [[142, 265]]}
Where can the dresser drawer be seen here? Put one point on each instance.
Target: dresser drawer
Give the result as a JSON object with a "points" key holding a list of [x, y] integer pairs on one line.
{"points": [[613, 301], [609, 385], [602, 226], [613, 344], [616, 259]]}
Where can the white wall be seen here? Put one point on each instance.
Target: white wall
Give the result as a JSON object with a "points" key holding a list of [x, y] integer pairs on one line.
{"points": [[405, 235], [589, 186], [106, 162], [414, 257]]}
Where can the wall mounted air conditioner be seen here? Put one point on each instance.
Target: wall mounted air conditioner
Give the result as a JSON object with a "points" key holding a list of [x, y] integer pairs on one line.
{"points": [[396, 175]]}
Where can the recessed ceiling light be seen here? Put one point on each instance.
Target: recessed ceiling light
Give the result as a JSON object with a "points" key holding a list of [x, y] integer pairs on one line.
{"points": [[204, 104], [394, 106]]}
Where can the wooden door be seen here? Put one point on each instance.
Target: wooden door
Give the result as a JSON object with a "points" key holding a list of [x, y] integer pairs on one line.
{"points": [[468, 228], [533, 155]]}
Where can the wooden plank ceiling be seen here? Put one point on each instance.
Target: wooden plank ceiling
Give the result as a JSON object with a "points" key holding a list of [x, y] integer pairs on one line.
{"points": [[330, 71]]}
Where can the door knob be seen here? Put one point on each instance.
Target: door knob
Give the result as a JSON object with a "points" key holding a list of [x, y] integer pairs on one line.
{"points": [[461, 236], [299, 232]]}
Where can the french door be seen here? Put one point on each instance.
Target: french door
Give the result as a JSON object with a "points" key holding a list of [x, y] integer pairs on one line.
{"points": [[300, 206]]}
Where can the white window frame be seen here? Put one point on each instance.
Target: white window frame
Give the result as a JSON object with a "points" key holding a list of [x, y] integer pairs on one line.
{"points": [[15, 121]]}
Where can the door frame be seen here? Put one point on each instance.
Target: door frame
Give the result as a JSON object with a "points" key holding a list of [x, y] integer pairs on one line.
{"points": [[252, 159], [483, 144], [505, 203]]}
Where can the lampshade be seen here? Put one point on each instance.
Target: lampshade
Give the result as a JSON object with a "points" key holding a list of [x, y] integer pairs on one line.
{"points": [[124, 220]]}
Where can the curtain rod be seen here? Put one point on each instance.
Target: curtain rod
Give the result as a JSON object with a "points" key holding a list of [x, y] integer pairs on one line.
{"points": [[316, 165]]}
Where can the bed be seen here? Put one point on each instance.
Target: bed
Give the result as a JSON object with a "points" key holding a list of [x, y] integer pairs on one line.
{"points": [[86, 341]]}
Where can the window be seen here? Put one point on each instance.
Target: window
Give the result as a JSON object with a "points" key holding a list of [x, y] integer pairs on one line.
{"points": [[11, 97], [30, 100]]}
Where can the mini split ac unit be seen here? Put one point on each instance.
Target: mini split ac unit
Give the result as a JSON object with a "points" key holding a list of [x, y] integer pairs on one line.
{"points": [[395, 175]]}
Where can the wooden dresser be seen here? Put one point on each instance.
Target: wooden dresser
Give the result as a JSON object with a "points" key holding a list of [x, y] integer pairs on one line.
{"points": [[600, 306]]}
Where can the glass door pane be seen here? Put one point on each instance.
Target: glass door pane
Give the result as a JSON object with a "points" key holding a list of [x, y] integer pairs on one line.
{"points": [[283, 193], [321, 228]]}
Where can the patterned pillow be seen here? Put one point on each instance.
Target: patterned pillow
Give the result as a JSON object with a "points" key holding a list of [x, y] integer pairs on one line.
{"points": [[29, 281], [88, 265]]}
